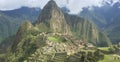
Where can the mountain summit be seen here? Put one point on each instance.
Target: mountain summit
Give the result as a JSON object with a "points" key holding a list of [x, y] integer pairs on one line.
{"points": [[53, 18], [47, 11]]}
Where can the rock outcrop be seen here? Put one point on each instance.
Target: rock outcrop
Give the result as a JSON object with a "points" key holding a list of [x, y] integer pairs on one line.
{"points": [[53, 18]]}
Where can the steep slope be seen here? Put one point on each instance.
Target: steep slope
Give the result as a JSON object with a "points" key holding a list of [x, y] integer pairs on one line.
{"points": [[12, 19], [22, 32], [106, 18], [84, 29], [23, 13], [94, 17], [53, 18], [7, 27]]}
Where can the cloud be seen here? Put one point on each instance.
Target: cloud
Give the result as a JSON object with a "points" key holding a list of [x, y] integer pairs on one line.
{"points": [[14, 4], [75, 6]]}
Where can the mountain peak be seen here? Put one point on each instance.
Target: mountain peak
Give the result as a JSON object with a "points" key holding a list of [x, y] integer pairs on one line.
{"points": [[47, 11], [51, 5], [52, 2], [53, 18]]}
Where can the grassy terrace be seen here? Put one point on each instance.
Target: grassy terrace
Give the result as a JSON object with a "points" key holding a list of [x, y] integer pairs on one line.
{"points": [[110, 58], [88, 50], [56, 39], [104, 48]]}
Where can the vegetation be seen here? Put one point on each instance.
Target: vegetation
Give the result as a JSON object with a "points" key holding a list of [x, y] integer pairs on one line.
{"points": [[111, 54], [83, 29], [86, 56], [115, 49], [56, 38], [12, 19], [106, 18], [110, 58], [104, 48]]}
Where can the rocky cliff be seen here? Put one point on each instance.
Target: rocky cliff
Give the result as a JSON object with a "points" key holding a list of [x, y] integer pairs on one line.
{"points": [[84, 29], [53, 18]]}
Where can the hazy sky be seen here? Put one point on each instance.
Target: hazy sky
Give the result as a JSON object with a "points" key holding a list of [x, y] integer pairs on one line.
{"points": [[74, 5]]}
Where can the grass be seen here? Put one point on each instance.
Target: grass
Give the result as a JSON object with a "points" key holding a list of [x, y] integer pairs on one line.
{"points": [[104, 48], [54, 39], [109, 58], [88, 50]]}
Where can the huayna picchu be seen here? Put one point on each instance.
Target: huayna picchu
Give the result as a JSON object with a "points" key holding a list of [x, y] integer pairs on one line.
{"points": [[57, 37]]}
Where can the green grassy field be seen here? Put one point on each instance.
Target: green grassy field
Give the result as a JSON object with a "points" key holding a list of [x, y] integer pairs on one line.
{"points": [[110, 58], [104, 48], [54, 39]]}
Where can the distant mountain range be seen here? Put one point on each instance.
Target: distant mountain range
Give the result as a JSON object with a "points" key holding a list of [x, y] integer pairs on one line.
{"points": [[107, 18], [11, 20]]}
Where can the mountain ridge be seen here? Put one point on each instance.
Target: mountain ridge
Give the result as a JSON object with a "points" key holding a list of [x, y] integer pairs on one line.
{"points": [[12, 19], [106, 19]]}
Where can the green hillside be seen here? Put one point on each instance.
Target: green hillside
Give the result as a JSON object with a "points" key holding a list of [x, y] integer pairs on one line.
{"points": [[11, 20]]}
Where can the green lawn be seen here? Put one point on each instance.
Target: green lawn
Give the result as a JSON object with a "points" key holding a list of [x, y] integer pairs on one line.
{"points": [[88, 50], [54, 39], [110, 58], [104, 48]]}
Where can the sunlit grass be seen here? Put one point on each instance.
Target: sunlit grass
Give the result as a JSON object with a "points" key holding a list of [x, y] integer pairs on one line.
{"points": [[110, 58], [54, 39], [104, 48], [87, 50]]}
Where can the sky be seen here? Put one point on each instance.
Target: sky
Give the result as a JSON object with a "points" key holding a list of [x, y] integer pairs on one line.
{"points": [[75, 6]]}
